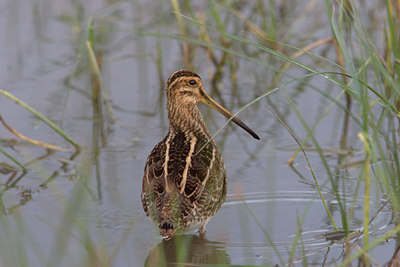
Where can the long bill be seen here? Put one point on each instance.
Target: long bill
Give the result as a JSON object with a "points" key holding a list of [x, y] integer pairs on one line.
{"points": [[211, 103]]}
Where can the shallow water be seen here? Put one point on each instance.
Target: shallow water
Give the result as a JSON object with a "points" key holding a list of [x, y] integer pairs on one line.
{"points": [[62, 205]]}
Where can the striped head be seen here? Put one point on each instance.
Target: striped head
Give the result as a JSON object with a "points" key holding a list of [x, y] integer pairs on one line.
{"points": [[185, 88]]}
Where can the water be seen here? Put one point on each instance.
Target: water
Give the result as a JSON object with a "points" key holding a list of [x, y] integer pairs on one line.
{"points": [[93, 200]]}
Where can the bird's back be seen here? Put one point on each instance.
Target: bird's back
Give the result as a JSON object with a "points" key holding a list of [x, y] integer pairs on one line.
{"points": [[184, 182]]}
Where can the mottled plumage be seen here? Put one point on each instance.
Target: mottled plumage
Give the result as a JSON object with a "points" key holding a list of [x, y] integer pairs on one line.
{"points": [[184, 182]]}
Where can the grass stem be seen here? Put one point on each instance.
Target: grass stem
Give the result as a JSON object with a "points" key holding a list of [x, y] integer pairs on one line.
{"points": [[42, 118]]}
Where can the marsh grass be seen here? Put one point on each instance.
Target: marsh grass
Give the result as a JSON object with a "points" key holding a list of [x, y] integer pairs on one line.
{"points": [[369, 82], [41, 117], [363, 74]]}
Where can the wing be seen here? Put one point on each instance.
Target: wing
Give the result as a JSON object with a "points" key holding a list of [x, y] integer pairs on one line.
{"points": [[153, 173]]}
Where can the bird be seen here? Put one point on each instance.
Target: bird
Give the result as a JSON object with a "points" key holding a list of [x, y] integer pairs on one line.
{"points": [[185, 182]]}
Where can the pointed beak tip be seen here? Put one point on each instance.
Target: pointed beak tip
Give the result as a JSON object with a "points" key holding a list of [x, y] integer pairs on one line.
{"points": [[255, 136]]}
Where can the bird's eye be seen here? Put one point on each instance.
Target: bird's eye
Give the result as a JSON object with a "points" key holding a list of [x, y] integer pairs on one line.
{"points": [[192, 82]]}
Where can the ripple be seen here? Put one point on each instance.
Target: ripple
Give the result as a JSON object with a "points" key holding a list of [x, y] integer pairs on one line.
{"points": [[261, 197], [266, 227]]}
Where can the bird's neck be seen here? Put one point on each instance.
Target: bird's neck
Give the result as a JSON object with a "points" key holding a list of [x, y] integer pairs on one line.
{"points": [[187, 118]]}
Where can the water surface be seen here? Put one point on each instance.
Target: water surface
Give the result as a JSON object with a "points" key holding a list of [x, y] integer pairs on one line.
{"points": [[71, 211]]}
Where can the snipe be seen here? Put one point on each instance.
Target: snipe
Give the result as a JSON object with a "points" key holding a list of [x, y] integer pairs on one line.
{"points": [[184, 182]]}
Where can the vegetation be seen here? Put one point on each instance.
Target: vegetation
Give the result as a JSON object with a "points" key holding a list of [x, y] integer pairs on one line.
{"points": [[342, 58]]}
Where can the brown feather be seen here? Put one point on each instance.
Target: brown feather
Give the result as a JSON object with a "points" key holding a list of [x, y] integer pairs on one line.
{"points": [[184, 182]]}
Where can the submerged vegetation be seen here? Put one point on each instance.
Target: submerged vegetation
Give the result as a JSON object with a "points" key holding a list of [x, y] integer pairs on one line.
{"points": [[327, 73]]}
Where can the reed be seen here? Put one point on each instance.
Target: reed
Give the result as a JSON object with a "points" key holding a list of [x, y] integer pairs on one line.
{"points": [[376, 96], [362, 77]]}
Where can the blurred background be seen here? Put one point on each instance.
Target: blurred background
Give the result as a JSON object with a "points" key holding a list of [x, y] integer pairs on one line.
{"points": [[97, 70]]}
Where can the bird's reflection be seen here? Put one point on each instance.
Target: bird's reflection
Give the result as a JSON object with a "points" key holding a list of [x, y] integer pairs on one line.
{"points": [[187, 249]]}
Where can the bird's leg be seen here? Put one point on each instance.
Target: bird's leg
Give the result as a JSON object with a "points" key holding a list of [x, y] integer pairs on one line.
{"points": [[202, 232]]}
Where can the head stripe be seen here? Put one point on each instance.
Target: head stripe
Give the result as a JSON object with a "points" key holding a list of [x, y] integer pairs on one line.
{"points": [[180, 73]]}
